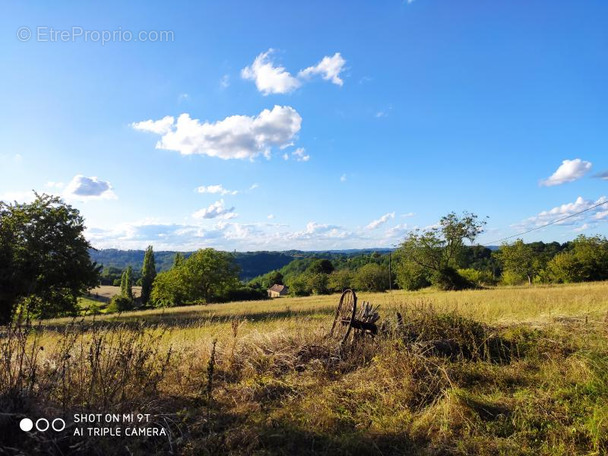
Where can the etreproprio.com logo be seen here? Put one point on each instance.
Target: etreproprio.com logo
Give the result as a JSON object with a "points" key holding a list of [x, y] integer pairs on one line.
{"points": [[45, 34]]}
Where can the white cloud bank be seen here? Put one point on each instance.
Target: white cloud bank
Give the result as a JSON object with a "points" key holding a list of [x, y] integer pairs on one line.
{"points": [[569, 171], [235, 137], [84, 188], [591, 215], [271, 78]]}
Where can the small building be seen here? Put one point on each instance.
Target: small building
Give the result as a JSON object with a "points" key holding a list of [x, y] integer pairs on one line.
{"points": [[276, 291]]}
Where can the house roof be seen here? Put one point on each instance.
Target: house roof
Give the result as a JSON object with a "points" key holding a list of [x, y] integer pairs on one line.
{"points": [[277, 288]]}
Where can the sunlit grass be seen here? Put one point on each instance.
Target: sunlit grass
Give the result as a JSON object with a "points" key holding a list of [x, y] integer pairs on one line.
{"points": [[280, 387]]}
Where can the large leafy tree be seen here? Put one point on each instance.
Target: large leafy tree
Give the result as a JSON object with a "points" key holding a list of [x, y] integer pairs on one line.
{"points": [[585, 260], [371, 277], [519, 262], [206, 276], [148, 274], [44, 258], [439, 250]]}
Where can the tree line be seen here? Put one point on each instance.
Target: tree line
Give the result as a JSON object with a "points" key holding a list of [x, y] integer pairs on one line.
{"points": [[45, 265]]}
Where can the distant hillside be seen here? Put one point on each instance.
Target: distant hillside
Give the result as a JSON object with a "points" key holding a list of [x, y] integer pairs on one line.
{"points": [[252, 264]]}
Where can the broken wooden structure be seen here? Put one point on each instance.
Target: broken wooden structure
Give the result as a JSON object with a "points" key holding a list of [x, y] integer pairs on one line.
{"points": [[353, 320]]}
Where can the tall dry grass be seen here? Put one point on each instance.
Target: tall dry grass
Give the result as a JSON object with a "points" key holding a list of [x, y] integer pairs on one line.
{"points": [[505, 371]]}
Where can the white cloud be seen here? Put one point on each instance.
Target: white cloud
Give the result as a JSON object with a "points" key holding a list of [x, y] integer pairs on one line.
{"points": [[300, 155], [216, 189], [160, 127], [381, 221], [270, 216], [235, 137], [569, 171], [215, 210], [253, 187], [343, 178], [408, 214], [329, 68], [269, 78], [52, 184], [84, 188], [286, 156], [568, 210]]}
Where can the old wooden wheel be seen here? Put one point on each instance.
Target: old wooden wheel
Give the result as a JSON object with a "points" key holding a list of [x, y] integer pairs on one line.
{"points": [[345, 315]]}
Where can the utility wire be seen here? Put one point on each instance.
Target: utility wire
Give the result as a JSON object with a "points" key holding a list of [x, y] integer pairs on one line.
{"points": [[547, 224]]}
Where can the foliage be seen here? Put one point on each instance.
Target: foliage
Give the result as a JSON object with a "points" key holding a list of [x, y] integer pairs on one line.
{"points": [[371, 277], [148, 274], [340, 280], [317, 282], [410, 275], [476, 277], [440, 250], [44, 258], [206, 276], [519, 262], [119, 303], [126, 284], [320, 266], [585, 260], [299, 286]]}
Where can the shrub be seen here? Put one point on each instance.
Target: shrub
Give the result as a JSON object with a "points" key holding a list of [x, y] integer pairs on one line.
{"points": [[120, 303]]}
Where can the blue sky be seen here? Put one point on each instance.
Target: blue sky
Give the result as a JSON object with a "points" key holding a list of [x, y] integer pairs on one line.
{"points": [[272, 125]]}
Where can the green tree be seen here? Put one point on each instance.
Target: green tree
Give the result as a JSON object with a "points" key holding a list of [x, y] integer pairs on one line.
{"points": [[44, 258], [318, 282], [519, 262], [178, 259], [371, 277], [340, 280], [206, 276], [148, 274], [320, 266], [440, 250], [410, 275], [126, 283], [298, 285], [585, 260]]}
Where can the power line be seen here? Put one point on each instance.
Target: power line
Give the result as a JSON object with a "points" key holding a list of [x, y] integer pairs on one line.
{"points": [[548, 224]]}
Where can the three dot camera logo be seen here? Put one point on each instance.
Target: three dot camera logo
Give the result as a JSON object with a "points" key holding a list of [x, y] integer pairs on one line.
{"points": [[42, 425]]}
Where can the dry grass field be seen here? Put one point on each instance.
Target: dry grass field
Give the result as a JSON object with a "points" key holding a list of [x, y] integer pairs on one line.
{"points": [[500, 371]]}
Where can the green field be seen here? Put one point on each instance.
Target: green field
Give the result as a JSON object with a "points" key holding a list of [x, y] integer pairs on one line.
{"points": [[520, 370]]}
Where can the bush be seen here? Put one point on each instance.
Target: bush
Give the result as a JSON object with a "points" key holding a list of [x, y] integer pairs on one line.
{"points": [[411, 276], [479, 278], [120, 303], [448, 279], [246, 294], [371, 277]]}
